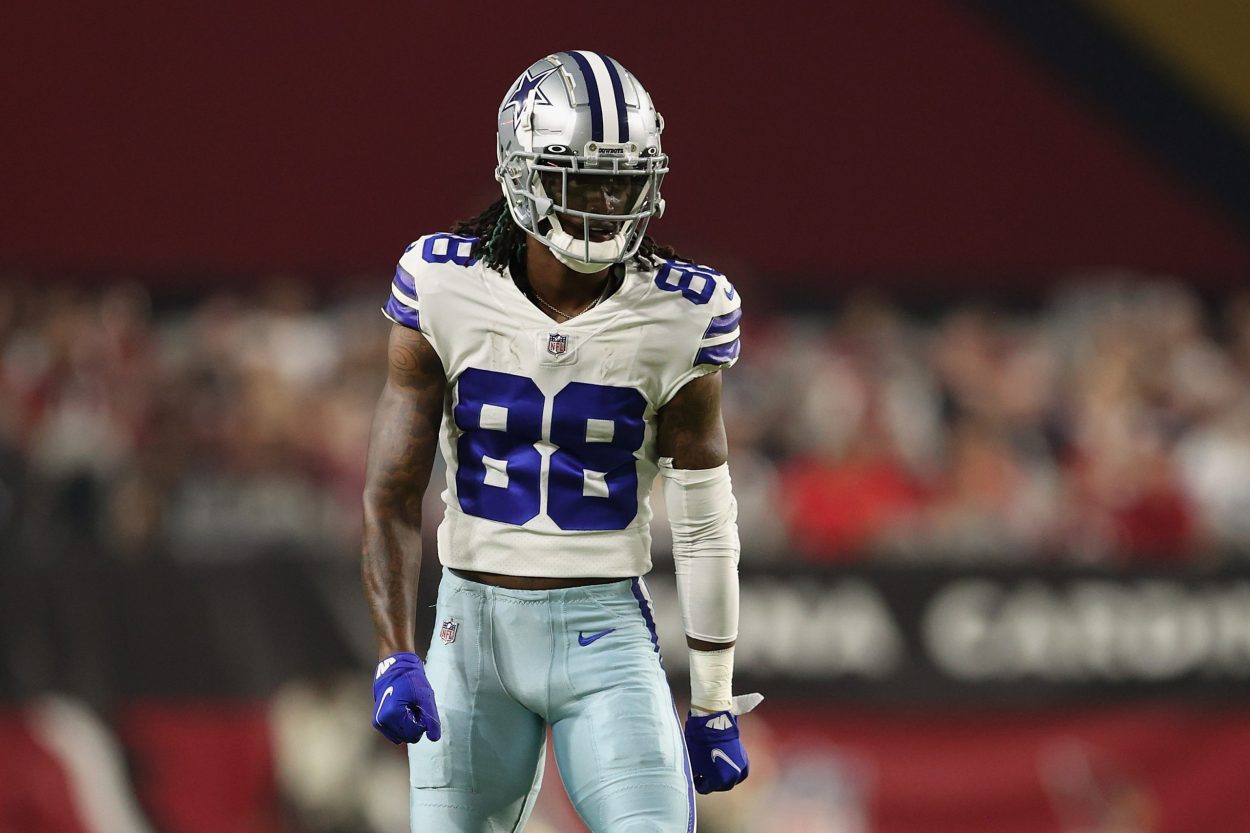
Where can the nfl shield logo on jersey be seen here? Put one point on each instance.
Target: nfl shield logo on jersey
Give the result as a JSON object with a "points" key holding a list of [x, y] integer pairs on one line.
{"points": [[448, 631], [555, 349]]}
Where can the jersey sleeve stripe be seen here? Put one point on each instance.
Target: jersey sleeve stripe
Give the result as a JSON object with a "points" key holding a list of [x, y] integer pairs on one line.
{"points": [[722, 324], [721, 354], [405, 281], [401, 314], [404, 299], [732, 335]]}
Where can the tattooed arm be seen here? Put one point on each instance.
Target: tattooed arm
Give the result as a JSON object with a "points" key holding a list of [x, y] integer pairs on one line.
{"points": [[401, 454]]}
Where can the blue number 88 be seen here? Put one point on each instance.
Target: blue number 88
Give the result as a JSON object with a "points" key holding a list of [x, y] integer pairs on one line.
{"points": [[593, 479]]}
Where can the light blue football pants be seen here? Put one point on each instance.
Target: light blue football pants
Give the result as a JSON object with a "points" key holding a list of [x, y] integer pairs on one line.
{"points": [[584, 660]]}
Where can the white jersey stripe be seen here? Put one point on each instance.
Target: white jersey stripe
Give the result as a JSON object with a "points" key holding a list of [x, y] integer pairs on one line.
{"points": [[712, 341], [404, 299]]}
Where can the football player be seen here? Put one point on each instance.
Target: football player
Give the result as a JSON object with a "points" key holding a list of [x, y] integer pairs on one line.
{"points": [[560, 359]]}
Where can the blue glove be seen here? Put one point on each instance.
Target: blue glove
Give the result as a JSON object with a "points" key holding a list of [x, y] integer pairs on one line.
{"points": [[403, 702], [718, 760]]}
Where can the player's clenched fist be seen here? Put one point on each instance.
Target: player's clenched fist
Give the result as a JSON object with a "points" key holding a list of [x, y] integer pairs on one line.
{"points": [[403, 702], [718, 760]]}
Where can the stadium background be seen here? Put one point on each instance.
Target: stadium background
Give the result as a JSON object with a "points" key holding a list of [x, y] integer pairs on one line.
{"points": [[991, 427]]}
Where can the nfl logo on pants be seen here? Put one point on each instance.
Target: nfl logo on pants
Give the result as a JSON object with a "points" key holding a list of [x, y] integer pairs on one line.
{"points": [[557, 344], [448, 632]]}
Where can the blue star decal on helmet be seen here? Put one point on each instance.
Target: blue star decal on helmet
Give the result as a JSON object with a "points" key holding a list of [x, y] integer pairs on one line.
{"points": [[528, 82]]}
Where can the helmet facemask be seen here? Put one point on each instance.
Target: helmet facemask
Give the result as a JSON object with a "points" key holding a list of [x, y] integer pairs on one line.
{"points": [[545, 195]]}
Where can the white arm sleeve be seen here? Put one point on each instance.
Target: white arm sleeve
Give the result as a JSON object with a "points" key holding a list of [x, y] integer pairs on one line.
{"points": [[704, 518]]}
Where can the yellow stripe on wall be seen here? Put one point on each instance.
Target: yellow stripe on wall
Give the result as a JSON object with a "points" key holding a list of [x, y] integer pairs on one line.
{"points": [[1207, 41]]}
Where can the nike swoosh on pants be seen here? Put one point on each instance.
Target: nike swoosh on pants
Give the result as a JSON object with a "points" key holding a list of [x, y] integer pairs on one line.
{"points": [[586, 640]]}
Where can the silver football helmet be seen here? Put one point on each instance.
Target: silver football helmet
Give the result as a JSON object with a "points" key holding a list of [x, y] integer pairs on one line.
{"points": [[570, 116]]}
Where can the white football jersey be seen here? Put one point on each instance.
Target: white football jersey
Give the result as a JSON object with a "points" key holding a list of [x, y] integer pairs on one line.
{"points": [[549, 429]]}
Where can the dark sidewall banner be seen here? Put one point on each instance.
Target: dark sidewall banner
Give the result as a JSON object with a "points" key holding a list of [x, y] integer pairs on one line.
{"points": [[878, 635], [995, 636]]}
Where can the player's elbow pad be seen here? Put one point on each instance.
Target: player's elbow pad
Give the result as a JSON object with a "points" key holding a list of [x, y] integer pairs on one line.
{"points": [[703, 516]]}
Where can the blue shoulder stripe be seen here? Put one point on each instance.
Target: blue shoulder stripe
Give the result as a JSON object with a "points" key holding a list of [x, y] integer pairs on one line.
{"points": [[401, 314], [720, 354], [722, 324], [406, 282]]}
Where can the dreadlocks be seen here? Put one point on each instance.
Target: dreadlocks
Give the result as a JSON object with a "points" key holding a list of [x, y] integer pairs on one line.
{"points": [[500, 240]]}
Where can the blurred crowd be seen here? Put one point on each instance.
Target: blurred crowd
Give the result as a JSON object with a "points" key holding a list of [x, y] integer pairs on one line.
{"points": [[1109, 424]]}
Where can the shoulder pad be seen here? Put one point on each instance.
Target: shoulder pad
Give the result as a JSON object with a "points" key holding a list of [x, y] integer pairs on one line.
{"points": [[714, 305], [418, 266], [441, 248]]}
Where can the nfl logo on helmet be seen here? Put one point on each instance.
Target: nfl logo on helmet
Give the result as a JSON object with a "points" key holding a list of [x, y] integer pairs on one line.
{"points": [[448, 631], [557, 344]]}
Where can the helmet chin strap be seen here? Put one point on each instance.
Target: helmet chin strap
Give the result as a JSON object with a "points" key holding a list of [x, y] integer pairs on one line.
{"points": [[606, 252]]}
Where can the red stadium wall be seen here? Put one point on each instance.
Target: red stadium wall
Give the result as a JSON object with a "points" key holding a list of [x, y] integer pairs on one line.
{"points": [[35, 794], [846, 145], [1150, 769], [205, 766]]}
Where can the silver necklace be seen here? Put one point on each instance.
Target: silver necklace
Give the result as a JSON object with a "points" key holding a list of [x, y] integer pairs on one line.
{"points": [[566, 315]]}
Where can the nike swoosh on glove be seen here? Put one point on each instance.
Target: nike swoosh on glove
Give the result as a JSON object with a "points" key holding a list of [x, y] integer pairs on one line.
{"points": [[718, 760], [403, 702]]}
